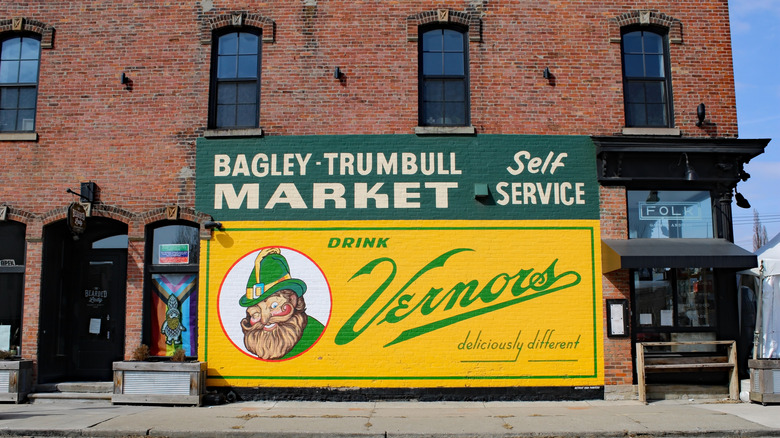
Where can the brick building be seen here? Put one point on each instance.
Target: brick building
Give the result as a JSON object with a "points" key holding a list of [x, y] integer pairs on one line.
{"points": [[186, 137]]}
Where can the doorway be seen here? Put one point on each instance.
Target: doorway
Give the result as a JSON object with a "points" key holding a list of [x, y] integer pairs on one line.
{"points": [[83, 294]]}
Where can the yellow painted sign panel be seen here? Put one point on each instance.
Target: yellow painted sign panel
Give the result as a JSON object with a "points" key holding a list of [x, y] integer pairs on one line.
{"points": [[402, 304]]}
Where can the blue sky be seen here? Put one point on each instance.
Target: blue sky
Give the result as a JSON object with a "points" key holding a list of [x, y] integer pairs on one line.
{"points": [[755, 36]]}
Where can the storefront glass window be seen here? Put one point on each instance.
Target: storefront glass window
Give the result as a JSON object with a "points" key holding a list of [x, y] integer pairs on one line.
{"points": [[669, 299], [695, 298], [660, 214]]}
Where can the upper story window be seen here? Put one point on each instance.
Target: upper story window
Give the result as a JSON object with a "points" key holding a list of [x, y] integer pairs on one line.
{"points": [[444, 84], [669, 214], [235, 81], [646, 80], [19, 61]]}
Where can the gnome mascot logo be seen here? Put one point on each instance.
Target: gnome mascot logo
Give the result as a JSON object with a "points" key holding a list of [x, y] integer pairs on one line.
{"points": [[276, 325]]}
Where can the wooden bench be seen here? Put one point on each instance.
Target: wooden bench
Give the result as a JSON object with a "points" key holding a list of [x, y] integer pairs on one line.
{"points": [[682, 361]]}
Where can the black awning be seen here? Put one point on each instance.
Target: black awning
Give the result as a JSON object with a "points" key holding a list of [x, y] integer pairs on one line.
{"points": [[674, 253]]}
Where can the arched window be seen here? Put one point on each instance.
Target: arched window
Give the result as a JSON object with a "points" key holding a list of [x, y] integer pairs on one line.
{"points": [[646, 80], [19, 61], [444, 85], [235, 81]]}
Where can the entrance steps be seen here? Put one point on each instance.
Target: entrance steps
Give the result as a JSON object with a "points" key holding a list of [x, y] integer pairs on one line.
{"points": [[668, 392], [687, 392], [72, 391]]}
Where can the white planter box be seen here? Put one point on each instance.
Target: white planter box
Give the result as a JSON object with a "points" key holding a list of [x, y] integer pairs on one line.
{"points": [[169, 383], [15, 380]]}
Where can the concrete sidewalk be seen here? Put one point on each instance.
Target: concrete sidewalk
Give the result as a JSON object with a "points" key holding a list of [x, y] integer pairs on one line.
{"points": [[277, 419]]}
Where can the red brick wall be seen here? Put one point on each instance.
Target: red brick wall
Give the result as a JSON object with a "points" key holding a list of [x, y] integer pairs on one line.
{"points": [[91, 128], [615, 285], [138, 145]]}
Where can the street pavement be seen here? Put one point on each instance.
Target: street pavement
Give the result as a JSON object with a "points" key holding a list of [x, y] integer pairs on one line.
{"points": [[292, 419]]}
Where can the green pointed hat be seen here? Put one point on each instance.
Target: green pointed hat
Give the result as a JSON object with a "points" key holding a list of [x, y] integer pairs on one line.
{"points": [[270, 274]]}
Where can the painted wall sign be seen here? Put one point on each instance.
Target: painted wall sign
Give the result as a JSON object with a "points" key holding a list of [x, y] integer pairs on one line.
{"points": [[399, 176], [402, 303], [374, 261]]}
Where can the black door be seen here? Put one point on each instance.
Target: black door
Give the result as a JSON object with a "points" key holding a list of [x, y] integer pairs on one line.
{"points": [[98, 325], [82, 316]]}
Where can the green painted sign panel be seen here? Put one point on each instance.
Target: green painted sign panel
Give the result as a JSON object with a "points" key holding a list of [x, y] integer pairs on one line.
{"points": [[376, 177]]}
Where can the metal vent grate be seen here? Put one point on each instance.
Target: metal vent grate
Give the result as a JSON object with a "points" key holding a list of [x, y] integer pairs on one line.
{"points": [[776, 381], [5, 377], [153, 382]]}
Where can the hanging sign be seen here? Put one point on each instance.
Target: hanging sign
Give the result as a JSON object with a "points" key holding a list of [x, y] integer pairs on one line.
{"points": [[77, 218]]}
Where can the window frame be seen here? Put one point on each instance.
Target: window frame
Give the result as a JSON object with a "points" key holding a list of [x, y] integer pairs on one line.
{"points": [[22, 85], [422, 78], [215, 81], [151, 268], [666, 80]]}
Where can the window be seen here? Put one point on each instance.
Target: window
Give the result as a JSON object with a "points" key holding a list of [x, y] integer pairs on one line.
{"points": [[171, 317], [444, 88], [235, 81], [646, 84], [669, 214], [19, 60], [675, 299]]}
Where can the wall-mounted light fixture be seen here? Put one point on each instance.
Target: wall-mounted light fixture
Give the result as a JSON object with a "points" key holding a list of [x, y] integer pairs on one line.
{"points": [[546, 74], [652, 197], [126, 81], [337, 73], [89, 191], [701, 113], [210, 225], [741, 201], [690, 174]]}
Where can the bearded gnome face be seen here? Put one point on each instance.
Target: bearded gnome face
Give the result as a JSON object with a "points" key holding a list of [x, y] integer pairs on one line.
{"points": [[273, 326]]}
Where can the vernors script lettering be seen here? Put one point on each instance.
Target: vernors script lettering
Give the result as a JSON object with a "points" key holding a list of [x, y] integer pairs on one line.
{"points": [[469, 300]]}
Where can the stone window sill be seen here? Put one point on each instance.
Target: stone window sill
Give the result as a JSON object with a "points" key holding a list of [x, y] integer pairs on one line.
{"points": [[445, 130], [19, 136], [652, 131], [217, 133]]}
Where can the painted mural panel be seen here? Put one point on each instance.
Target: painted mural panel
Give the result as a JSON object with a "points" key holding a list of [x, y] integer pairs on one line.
{"points": [[403, 303], [400, 261], [397, 176]]}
